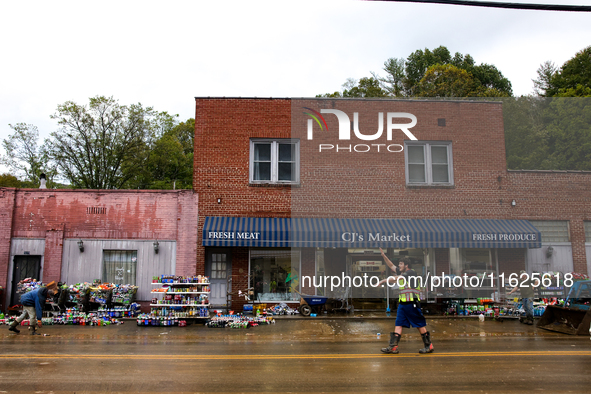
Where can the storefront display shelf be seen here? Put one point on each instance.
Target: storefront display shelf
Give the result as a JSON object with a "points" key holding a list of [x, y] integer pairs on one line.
{"points": [[185, 296], [195, 305]]}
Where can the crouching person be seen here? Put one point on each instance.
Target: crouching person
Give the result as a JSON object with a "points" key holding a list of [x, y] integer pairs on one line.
{"points": [[33, 303]]}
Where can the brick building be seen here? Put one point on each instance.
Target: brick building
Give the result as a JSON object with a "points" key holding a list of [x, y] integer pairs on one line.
{"points": [[290, 191], [69, 235], [287, 188]]}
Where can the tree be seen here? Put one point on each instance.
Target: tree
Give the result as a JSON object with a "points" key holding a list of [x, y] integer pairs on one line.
{"points": [[548, 133], [420, 62], [417, 64], [572, 79], [170, 161], [395, 77], [403, 77], [447, 81], [24, 157], [104, 145], [545, 73], [366, 87], [8, 180]]}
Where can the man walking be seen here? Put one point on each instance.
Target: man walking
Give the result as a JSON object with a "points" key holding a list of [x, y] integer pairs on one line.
{"points": [[526, 288], [33, 303], [409, 309]]}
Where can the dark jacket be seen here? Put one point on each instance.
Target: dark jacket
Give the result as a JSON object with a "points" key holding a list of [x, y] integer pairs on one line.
{"points": [[37, 299]]}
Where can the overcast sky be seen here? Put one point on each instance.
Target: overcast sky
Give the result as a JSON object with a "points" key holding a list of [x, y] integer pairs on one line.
{"points": [[163, 54]]}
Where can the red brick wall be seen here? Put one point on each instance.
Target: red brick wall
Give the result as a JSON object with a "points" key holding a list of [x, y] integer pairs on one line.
{"points": [[108, 214], [372, 185], [239, 277], [103, 214], [7, 196], [223, 128], [186, 233], [52, 256]]}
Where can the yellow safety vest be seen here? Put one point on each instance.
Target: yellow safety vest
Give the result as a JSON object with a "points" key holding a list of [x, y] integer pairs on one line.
{"points": [[408, 293]]}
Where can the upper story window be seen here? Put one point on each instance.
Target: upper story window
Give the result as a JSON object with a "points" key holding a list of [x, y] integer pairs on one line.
{"points": [[274, 161], [553, 230], [428, 163]]}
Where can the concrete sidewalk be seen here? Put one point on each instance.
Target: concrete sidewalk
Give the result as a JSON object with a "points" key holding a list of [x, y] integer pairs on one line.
{"points": [[361, 327]]}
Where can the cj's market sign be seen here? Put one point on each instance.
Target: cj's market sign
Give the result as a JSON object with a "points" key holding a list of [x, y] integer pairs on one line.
{"points": [[345, 130]]}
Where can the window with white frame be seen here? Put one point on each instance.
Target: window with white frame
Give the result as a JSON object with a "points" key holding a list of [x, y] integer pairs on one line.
{"points": [[274, 161], [587, 231], [428, 163]]}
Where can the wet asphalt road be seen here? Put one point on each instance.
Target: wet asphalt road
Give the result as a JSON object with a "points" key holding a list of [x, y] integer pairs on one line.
{"points": [[299, 355]]}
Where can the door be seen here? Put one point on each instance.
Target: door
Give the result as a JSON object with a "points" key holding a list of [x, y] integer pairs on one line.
{"points": [[24, 267], [218, 266]]}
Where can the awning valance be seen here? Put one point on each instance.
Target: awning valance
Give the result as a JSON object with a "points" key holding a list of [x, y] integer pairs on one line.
{"points": [[370, 233]]}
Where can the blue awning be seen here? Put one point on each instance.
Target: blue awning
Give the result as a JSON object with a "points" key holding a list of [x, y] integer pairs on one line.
{"points": [[370, 233]]}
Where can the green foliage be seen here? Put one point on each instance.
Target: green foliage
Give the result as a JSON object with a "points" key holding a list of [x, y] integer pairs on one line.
{"points": [[8, 180], [548, 133], [366, 87], [170, 162], [24, 157], [104, 145], [447, 81], [573, 79], [431, 73], [411, 75]]}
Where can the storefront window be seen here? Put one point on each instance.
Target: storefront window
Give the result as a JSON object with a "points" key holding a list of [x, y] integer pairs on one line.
{"points": [[320, 272], [469, 263], [119, 266], [275, 274]]}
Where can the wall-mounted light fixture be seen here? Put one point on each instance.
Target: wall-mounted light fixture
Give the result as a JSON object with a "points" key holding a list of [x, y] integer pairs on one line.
{"points": [[549, 251], [513, 203], [156, 246], [81, 246], [219, 200]]}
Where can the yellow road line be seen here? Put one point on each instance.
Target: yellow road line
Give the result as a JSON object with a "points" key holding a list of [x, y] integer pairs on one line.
{"points": [[286, 357]]}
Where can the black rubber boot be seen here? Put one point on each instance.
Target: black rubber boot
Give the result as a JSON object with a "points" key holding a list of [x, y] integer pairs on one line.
{"points": [[34, 331], [13, 327], [428, 345], [393, 345]]}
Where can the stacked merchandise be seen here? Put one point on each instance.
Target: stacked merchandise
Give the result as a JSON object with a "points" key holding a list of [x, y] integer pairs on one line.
{"points": [[282, 309], [148, 319], [71, 318], [180, 279], [78, 295], [26, 285], [238, 321], [578, 276], [101, 293], [121, 311], [124, 294]]}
